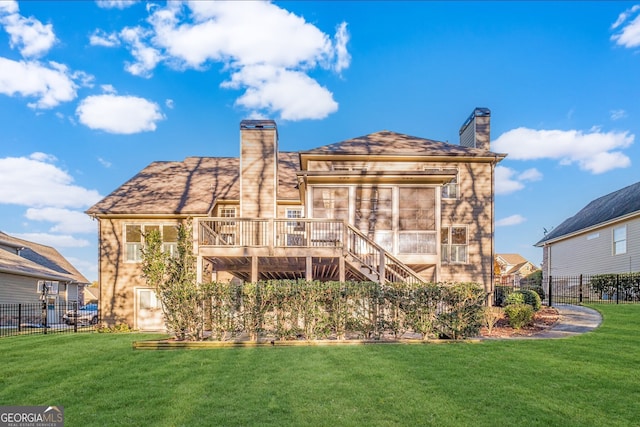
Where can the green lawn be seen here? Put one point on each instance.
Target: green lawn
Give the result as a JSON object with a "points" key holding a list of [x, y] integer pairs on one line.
{"points": [[588, 380]]}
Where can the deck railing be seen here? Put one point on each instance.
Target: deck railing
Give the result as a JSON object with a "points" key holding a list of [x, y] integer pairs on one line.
{"points": [[298, 232], [377, 260], [309, 233]]}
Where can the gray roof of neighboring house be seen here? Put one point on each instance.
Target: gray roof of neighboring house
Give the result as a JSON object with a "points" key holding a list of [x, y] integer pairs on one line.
{"points": [[393, 143], [601, 210], [18, 256]]}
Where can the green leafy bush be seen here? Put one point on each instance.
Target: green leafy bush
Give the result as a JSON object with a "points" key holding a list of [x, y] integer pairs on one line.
{"points": [[519, 315], [532, 298], [525, 296], [516, 297]]}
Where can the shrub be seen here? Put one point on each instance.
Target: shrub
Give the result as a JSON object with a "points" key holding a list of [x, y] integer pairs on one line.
{"points": [[118, 328], [462, 317], [516, 297], [490, 317], [532, 298], [519, 315]]}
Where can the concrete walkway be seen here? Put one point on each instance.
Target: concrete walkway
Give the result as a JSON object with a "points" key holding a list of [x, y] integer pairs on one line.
{"points": [[573, 320]]}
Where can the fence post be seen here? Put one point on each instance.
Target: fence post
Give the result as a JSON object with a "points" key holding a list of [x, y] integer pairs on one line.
{"points": [[19, 317], [550, 291], [617, 289], [580, 298], [75, 314]]}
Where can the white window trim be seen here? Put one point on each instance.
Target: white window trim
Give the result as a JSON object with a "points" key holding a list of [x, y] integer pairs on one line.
{"points": [[171, 246], [615, 242]]}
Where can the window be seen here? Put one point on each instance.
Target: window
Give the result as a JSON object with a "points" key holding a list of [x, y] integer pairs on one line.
{"points": [[134, 239], [620, 240], [331, 202], [454, 244], [451, 190], [417, 221], [295, 213], [374, 209], [133, 242]]}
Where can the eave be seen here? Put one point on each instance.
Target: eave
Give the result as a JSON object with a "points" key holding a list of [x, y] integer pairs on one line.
{"points": [[408, 157], [587, 230]]}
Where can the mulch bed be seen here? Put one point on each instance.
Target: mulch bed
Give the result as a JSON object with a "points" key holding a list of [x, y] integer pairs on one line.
{"points": [[543, 319]]}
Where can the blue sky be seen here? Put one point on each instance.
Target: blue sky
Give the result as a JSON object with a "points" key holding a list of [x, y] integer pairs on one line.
{"points": [[92, 92]]}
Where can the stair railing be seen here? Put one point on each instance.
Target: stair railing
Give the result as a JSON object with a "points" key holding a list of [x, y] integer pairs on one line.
{"points": [[374, 258]]}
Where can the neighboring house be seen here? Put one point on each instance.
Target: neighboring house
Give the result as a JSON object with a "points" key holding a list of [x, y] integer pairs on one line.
{"points": [[604, 237], [513, 267], [26, 266], [381, 207]]}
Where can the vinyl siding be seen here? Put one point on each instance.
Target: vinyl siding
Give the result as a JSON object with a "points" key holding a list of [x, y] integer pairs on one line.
{"points": [[18, 289], [587, 254]]}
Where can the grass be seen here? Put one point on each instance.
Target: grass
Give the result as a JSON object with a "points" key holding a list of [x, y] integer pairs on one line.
{"points": [[588, 380]]}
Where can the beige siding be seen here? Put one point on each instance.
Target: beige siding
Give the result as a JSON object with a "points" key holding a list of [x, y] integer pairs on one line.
{"points": [[474, 208], [118, 277], [592, 252], [18, 289]]}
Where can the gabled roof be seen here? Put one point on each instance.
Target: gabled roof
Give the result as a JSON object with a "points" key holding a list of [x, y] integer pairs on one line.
{"points": [[190, 187], [601, 210], [512, 259], [397, 144], [18, 256]]}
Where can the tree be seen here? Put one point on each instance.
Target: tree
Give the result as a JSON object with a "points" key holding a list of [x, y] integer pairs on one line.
{"points": [[174, 280]]}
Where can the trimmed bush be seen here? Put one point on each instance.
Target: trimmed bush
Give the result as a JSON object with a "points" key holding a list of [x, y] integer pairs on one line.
{"points": [[532, 298], [516, 297], [519, 315], [526, 296]]}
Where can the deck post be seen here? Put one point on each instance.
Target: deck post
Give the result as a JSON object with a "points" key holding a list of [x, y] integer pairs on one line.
{"points": [[199, 265], [342, 276], [309, 269], [381, 268], [254, 269]]}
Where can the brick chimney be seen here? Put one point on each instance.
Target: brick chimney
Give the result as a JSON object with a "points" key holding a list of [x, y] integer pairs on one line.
{"points": [[476, 130], [258, 168]]}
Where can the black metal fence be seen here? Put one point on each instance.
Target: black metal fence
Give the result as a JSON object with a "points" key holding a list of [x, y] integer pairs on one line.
{"points": [[622, 288], [39, 318]]}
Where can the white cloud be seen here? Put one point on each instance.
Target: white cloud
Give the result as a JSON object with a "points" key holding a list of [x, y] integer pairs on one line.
{"points": [[263, 47], [103, 162], [594, 151], [36, 182], [532, 174], [146, 57], [509, 181], [343, 58], [29, 35], [65, 220], [628, 26], [618, 114], [119, 114], [505, 182], [101, 38], [510, 220], [54, 240], [115, 4], [169, 103], [8, 7], [51, 84], [294, 94]]}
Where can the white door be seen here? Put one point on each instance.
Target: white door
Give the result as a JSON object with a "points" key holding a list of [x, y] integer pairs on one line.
{"points": [[148, 311]]}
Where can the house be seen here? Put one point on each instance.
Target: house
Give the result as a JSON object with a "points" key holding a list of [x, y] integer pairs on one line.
{"points": [[603, 237], [25, 267], [513, 267], [380, 207]]}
